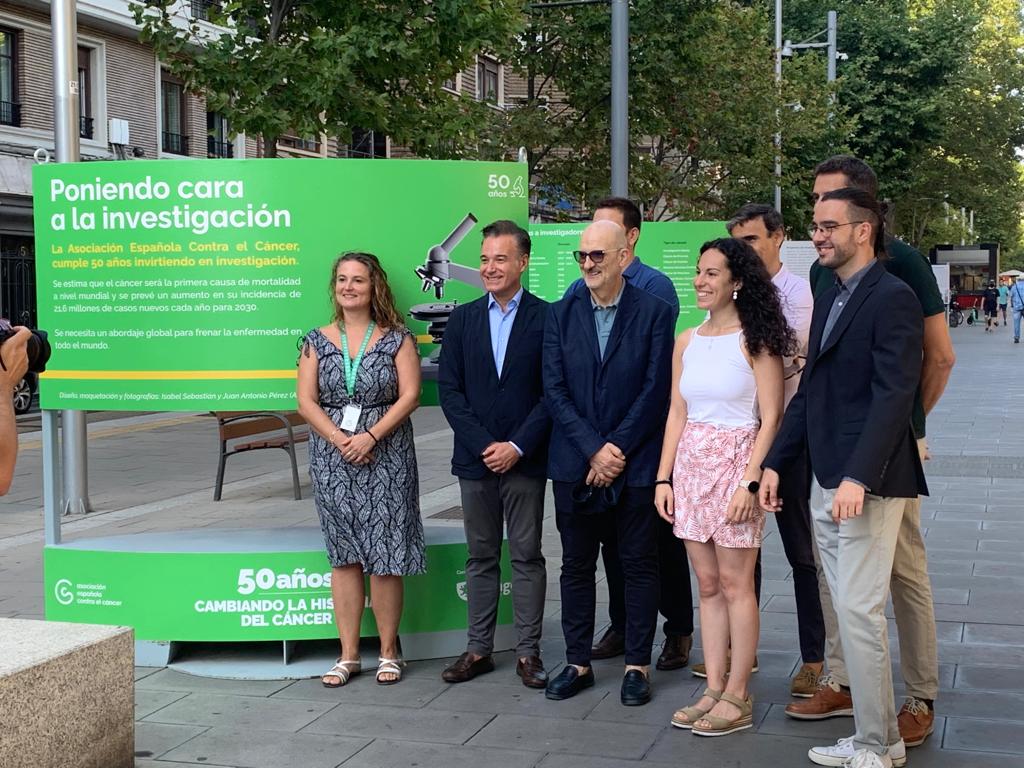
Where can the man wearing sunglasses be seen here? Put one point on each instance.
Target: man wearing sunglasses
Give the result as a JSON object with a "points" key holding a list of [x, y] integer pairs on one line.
{"points": [[911, 585], [675, 597], [607, 365]]}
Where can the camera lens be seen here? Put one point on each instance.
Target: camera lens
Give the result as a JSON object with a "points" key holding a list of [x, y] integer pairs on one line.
{"points": [[38, 350]]}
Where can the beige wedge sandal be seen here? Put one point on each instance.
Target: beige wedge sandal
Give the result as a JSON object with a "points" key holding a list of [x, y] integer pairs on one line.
{"points": [[723, 726], [687, 716]]}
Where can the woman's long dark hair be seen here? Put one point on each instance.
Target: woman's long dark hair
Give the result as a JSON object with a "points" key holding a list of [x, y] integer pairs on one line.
{"points": [[757, 300]]}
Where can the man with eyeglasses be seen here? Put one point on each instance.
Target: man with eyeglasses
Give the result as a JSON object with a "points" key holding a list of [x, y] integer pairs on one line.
{"points": [[607, 365], [851, 414], [911, 585], [675, 598]]}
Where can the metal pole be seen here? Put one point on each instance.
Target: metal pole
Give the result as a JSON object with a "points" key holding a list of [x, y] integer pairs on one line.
{"points": [[778, 113], [620, 98], [64, 23], [832, 47]]}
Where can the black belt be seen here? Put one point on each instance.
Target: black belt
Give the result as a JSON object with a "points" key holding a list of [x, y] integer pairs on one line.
{"points": [[344, 405]]}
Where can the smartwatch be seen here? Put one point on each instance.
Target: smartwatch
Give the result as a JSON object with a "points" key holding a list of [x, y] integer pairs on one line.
{"points": [[751, 485]]}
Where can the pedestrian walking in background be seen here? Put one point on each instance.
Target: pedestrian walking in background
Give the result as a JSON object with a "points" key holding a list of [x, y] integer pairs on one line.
{"points": [[990, 305], [1017, 306], [1004, 297]]}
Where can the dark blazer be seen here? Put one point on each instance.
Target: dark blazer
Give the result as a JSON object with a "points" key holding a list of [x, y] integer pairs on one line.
{"points": [[482, 408], [622, 399], [852, 410]]}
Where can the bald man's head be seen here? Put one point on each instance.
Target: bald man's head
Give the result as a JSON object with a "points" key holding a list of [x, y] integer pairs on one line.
{"points": [[604, 246]]}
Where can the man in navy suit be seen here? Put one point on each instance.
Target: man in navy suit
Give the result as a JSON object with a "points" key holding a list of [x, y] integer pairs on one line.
{"points": [[852, 414], [607, 365], [490, 389]]}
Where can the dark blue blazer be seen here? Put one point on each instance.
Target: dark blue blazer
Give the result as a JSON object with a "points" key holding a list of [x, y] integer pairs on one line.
{"points": [[482, 408], [622, 398], [852, 410]]}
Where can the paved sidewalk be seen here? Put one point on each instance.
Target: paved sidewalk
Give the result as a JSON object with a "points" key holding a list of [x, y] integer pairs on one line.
{"points": [[156, 472]]}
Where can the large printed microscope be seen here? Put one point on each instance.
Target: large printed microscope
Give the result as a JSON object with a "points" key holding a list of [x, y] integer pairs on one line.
{"points": [[435, 272]]}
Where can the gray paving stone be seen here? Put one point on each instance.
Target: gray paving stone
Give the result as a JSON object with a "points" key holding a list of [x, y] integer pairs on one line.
{"points": [[823, 731], [560, 735], [993, 705], [241, 711], [754, 748], [148, 702], [171, 680], [400, 723], [254, 748], [363, 689], [984, 736], [154, 739], [479, 696], [996, 678], [410, 754], [999, 634], [557, 760]]}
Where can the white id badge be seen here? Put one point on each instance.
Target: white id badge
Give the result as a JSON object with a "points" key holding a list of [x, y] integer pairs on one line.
{"points": [[350, 417]]}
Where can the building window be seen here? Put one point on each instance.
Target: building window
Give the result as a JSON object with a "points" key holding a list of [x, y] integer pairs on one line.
{"points": [[218, 137], [10, 108], [303, 144], [368, 144], [451, 84], [172, 103], [201, 8], [85, 117], [487, 80]]}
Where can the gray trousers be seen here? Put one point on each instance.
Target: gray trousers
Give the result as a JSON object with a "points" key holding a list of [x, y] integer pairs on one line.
{"points": [[856, 557], [912, 606], [489, 505]]}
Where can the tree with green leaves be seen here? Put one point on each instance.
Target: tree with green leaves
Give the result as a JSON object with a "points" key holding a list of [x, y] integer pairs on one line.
{"points": [[702, 106], [321, 66]]}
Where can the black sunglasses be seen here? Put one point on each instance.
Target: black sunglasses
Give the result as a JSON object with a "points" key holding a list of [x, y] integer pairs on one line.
{"points": [[595, 256]]}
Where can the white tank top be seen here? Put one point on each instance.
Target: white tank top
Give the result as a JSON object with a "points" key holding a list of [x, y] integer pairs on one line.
{"points": [[718, 382]]}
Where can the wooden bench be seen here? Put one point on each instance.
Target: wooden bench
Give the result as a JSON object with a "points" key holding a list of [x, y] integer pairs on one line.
{"points": [[275, 430]]}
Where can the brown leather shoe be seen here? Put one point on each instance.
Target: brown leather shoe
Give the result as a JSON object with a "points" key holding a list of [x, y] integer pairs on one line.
{"points": [[465, 668], [805, 682], [830, 700], [610, 645], [531, 669], [916, 722], [675, 653]]}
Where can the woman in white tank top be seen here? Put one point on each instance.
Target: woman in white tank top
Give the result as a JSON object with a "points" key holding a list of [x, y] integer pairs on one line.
{"points": [[726, 408]]}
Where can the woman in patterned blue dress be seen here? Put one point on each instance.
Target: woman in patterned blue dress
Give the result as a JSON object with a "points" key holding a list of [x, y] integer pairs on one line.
{"points": [[358, 383]]}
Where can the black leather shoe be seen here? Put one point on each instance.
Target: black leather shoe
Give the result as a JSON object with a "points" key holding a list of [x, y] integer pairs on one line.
{"points": [[531, 669], [464, 668], [568, 683], [636, 689], [610, 645], [675, 653]]}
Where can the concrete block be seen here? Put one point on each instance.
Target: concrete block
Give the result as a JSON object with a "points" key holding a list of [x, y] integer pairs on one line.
{"points": [[66, 695]]}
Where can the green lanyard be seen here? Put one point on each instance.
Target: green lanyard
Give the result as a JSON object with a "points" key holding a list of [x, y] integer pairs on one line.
{"points": [[352, 366]]}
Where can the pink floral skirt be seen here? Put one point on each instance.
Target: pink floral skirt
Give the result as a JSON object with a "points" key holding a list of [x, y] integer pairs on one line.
{"points": [[710, 463]]}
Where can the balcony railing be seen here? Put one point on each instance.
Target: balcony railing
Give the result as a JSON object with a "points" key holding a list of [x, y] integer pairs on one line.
{"points": [[175, 143], [10, 113], [85, 127], [215, 148], [201, 8]]}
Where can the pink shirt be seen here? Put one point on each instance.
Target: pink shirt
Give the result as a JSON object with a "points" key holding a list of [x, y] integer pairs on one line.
{"points": [[797, 305]]}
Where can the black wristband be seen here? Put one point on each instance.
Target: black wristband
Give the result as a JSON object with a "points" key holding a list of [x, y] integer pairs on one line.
{"points": [[663, 482], [375, 441]]}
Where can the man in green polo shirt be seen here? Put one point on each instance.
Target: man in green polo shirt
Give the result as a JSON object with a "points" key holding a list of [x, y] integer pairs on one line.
{"points": [[910, 583]]}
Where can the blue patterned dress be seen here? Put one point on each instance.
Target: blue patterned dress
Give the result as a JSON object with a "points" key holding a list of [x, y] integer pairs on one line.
{"points": [[369, 514]]}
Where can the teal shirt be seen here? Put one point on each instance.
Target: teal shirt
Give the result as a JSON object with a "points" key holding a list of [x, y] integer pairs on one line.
{"points": [[1004, 295], [906, 263]]}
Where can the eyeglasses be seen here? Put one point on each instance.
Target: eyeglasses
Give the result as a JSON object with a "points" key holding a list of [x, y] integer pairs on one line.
{"points": [[595, 256], [828, 229]]}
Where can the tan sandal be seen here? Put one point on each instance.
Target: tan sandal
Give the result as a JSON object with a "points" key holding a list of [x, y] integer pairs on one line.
{"points": [[694, 713], [343, 670], [723, 726], [389, 667]]}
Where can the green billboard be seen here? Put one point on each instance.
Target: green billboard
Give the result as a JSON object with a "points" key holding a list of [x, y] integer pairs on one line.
{"points": [[670, 246], [183, 285]]}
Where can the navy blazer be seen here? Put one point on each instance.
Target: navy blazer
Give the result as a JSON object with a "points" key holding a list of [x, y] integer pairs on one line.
{"points": [[852, 410], [483, 408], [620, 399]]}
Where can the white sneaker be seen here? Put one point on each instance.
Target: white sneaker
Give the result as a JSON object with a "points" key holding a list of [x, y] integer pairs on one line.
{"points": [[864, 758], [843, 752]]}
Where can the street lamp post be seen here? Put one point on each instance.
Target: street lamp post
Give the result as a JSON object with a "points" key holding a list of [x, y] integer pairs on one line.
{"points": [[620, 86], [785, 50]]}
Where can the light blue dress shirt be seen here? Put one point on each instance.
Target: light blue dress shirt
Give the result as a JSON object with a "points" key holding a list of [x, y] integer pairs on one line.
{"points": [[501, 326], [604, 318]]}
